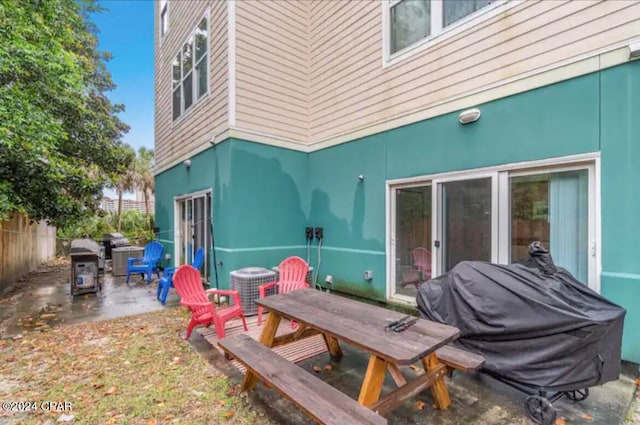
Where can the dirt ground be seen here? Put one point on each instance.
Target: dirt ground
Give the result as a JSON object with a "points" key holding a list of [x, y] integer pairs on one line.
{"points": [[68, 359], [133, 370]]}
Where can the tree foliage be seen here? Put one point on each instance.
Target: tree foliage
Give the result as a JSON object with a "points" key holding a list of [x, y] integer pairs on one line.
{"points": [[144, 180], [133, 226], [60, 136]]}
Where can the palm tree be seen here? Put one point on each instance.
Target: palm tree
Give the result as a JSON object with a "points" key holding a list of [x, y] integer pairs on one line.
{"points": [[123, 182], [144, 180]]}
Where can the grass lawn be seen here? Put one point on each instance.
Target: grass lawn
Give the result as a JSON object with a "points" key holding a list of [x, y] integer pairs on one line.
{"points": [[132, 370]]}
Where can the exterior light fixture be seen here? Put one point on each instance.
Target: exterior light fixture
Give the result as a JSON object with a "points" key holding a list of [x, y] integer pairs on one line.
{"points": [[469, 116], [187, 163], [634, 50]]}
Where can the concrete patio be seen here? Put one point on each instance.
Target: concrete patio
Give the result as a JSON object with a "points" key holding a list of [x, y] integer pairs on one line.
{"points": [[41, 300], [477, 399]]}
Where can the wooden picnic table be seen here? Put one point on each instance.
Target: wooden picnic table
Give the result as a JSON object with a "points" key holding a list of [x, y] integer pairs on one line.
{"points": [[363, 326]]}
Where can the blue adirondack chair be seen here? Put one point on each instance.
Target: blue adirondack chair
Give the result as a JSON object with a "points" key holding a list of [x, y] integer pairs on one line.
{"points": [[167, 275], [147, 264]]}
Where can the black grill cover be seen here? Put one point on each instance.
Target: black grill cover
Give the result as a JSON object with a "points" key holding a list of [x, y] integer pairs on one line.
{"points": [[533, 322]]}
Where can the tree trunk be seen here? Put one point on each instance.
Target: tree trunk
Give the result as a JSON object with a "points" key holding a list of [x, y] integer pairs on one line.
{"points": [[146, 208], [119, 210]]}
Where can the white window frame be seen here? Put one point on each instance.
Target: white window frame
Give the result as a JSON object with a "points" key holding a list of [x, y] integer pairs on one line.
{"points": [[501, 215], [164, 23], [437, 224], [177, 240], [438, 32], [194, 85]]}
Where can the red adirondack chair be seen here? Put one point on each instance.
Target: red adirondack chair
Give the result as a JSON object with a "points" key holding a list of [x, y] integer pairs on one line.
{"points": [[422, 261], [293, 276], [188, 284]]}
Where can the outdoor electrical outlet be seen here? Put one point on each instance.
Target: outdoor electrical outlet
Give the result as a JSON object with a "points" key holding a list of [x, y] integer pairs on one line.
{"points": [[319, 233], [368, 275], [328, 280], [308, 231], [167, 256]]}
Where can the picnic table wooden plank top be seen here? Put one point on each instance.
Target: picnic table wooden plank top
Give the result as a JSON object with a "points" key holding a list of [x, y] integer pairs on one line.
{"points": [[361, 324]]}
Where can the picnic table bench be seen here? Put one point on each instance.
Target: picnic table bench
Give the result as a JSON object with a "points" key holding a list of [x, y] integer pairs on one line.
{"points": [[321, 401], [363, 326]]}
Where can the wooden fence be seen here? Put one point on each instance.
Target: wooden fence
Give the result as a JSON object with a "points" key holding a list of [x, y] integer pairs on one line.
{"points": [[23, 247]]}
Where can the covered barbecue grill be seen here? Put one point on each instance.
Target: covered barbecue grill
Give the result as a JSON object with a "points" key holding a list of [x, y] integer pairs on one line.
{"points": [[539, 329], [113, 240]]}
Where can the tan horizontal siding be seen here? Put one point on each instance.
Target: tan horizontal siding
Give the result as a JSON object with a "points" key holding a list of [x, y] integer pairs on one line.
{"points": [[249, 84], [268, 13], [272, 68], [284, 109], [262, 64], [360, 92], [294, 47], [176, 139], [313, 70]]}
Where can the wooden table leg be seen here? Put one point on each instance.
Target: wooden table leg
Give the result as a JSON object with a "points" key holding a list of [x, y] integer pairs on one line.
{"points": [[333, 346], [266, 338], [439, 388], [373, 380], [396, 374]]}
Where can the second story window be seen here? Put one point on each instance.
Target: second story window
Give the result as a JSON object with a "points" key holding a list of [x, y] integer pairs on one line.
{"points": [[411, 21], [164, 17], [189, 71]]}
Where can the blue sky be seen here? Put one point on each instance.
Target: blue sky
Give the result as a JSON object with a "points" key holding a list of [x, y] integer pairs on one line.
{"points": [[126, 31]]}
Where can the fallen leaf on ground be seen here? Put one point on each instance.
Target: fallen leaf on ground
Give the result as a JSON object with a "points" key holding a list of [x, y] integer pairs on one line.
{"points": [[560, 421], [152, 421], [176, 360], [110, 391], [98, 386], [317, 368], [47, 315], [638, 382], [11, 359], [414, 367], [420, 404], [328, 367], [587, 416], [229, 414]]}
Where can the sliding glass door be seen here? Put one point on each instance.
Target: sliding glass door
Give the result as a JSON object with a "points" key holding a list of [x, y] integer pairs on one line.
{"points": [[413, 237], [492, 216], [554, 209], [465, 227], [193, 228]]}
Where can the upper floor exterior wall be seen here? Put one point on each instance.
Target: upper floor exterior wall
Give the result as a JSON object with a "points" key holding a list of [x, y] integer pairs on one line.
{"points": [[311, 74], [272, 68], [177, 139], [356, 85]]}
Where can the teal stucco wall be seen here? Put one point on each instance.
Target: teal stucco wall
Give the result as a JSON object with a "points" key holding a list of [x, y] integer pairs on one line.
{"points": [[264, 196], [259, 201], [529, 126], [209, 170], [620, 197]]}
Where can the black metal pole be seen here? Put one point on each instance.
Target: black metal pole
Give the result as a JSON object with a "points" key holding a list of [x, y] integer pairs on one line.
{"points": [[215, 261]]}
